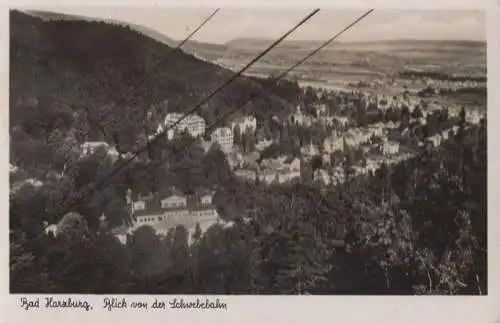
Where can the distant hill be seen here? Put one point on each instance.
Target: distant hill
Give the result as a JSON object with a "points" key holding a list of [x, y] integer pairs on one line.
{"points": [[94, 64], [380, 45], [248, 43]]}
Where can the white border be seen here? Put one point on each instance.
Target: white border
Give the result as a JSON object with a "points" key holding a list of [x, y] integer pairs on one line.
{"points": [[275, 309]]}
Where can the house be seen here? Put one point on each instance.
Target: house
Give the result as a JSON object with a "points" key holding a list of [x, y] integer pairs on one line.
{"points": [[224, 137], [445, 134], [320, 109], [371, 166], [244, 123], [195, 125], [297, 117], [90, 147], [333, 143], [121, 233], [473, 117], [295, 164], [174, 209], [247, 174], [177, 122], [263, 144], [390, 148], [376, 130], [435, 140], [322, 176], [267, 176], [287, 174], [309, 150]]}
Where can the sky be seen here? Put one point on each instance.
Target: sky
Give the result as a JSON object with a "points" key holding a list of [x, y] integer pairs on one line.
{"points": [[229, 24]]}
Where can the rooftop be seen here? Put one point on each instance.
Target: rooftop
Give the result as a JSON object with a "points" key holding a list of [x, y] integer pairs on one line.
{"points": [[154, 207]]}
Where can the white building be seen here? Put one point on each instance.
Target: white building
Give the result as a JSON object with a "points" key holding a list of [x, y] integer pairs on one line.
{"points": [[224, 137], [357, 137], [247, 174], [193, 123], [333, 143], [172, 209], [196, 125], [90, 147], [244, 123], [309, 150], [263, 144], [267, 176], [435, 140], [390, 148], [287, 174], [322, 176], [297, 117], [376, 130], [473, 117], [344, 121], [371, 166]]}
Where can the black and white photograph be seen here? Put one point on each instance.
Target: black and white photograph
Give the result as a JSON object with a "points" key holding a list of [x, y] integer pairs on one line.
{"points": [[247, 151]]}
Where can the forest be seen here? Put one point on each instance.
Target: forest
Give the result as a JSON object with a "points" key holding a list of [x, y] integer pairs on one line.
{"points": [[92, 70], [416, 228]]}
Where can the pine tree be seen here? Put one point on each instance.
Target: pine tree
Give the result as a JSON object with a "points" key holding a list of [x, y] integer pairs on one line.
{"points": [[237, 136], [197, 232]]}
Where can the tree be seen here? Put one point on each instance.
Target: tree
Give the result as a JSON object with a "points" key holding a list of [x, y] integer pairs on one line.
{"points": [[417, 112], [72, 226], [349, 161], [144, 244], [248, 140], [216, 169], [197, 232], [405, 117], [237, 136], [383, 240]]}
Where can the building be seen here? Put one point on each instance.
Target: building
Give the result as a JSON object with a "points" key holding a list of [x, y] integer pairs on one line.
{"points": [[320, 109], [343, 121], [390, 148], [224, 137], [173, 209], [309, 150], [91, 147], [376, 130], [177, 122], [263, 144], [322, 176], [277, 170], [195, 125], [297, 117], [473, 117], [244, 123], [267, 176], [247, 174], [172, 119], [446, 134], [357, 137], [287, 174], [121, 233], [435, 140], [333, 143], [371, 167], [169, 212]]}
